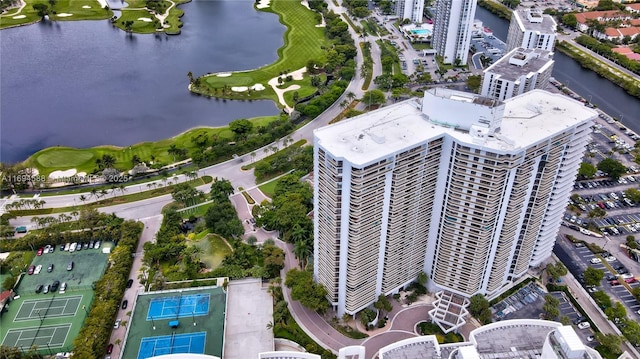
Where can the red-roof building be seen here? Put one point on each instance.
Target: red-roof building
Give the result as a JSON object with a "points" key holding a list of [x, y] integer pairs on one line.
{"points": [[600, 16], [627, 52]]}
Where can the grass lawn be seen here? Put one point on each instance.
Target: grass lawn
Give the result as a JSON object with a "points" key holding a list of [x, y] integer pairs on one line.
{"points": [[421, 46], [83, 160], [197, 211], [268, 188], [368, 64], [303, 41], [271, 156], [74, 7], [214, 249]]}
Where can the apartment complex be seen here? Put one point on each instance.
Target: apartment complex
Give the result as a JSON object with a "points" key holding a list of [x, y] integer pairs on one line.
{"points": [[531, 29], [517, 72], [468, 189], [410, 9], [452, 29]]}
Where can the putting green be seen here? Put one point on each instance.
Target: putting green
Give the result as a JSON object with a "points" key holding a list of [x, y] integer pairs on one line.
{"points": [[64, 157]]}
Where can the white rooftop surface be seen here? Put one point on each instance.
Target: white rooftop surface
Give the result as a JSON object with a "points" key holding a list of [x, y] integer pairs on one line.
{"points": [[249, 310], [569, 336], [528, 118]]}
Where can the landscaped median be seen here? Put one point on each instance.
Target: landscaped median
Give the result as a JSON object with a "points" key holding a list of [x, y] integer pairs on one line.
{"points": [[303, 41], [138, 17]]}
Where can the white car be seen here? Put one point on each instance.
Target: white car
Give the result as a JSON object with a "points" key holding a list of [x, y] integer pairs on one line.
{"points": [[117, 324], [38, 269], [584, 325], [610, 259], [623, 276], [63, 287], [73, 247], [596, 260]]}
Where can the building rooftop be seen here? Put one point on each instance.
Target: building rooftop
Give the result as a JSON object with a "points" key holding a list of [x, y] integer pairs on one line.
{"points": [[520, 62], [533, 20], [528, 118]]}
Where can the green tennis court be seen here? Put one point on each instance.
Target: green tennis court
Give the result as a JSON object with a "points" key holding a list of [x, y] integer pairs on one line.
{"points": [[48, 308], [52, 336]]}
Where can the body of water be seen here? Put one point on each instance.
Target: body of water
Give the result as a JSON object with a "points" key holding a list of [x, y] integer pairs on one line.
{"points": [[607, 96], [86, 83]]}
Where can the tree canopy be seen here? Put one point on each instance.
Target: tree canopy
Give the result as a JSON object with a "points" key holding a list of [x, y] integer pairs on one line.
{"points": [[587, 170], [612, 167], [593, 276]]}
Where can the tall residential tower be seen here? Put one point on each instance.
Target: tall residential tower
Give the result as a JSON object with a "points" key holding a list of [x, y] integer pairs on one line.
{"points": [[410, 9], [452, 29], [468, 189]]}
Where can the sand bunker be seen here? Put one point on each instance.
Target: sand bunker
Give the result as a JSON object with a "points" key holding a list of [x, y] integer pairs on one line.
{"points": [[224, 74], [263, 4], [239, 88], [64, 14], [145, 19], [81, 174], [305, 3], [63, 174], [86, 7], [258, 87], [20, 16]]}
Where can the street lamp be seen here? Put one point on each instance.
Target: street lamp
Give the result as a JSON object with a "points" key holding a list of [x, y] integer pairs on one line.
{"points": [[84, 307], [153, 323], [193, 316]]}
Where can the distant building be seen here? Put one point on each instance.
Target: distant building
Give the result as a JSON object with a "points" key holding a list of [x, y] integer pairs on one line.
{"points": [[599, 16], [468, 189], [519, 338], [531, 29], [410, 9], [452, 28], [519, 71]]}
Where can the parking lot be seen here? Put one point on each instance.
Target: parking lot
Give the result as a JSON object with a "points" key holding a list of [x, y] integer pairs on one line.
{"points": [[523, 304], [568, 310], [578, 259]]}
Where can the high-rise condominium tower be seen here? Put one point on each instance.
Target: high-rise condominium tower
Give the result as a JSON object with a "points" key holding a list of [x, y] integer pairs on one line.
{"points": [[468, 189], [531, 29], [452, 29], [410, 9]]}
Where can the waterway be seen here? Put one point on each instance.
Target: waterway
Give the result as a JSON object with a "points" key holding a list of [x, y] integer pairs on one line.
{"points": [[86, 83], [608, 97]]}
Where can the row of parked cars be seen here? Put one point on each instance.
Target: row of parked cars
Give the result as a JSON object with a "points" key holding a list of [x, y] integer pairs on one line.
{"points": [[46, 288], [69, 247]]}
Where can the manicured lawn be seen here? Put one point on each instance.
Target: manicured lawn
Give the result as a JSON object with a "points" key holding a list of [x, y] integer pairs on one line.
{"points": [[268, 188], [74, 7], [303, 41], [214, 249], [421, 46], [83, 160], [197, 211]]}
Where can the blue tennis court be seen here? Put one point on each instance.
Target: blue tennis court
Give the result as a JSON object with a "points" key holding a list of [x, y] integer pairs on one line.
{"points": [[171, 344], [178, 306]]}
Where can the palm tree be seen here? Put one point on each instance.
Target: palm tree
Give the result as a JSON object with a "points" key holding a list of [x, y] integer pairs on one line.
{"points": [[351, 96], [302, 251], [122, 188], [253, 156], [83, 198], [344, 104], [94, 192], [104, 192]]}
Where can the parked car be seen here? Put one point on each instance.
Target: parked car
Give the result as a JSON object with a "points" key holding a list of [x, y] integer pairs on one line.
{"points": [[67, 246], [85, 245], [55, 285], [595, 260], [45, 290], [52, 249], [129, 283], [39, 288], [610, 259], [70, 266], [62, 247], [38, 269], [79, 247], [97, 245], [611, 277], [40, 250], [73, 246], [50, 268], [591, 338], [31, 269], [584, 325], [125, 303], [117, 324], [630, 280], [109, 348], [46, 250], [63, 287]]}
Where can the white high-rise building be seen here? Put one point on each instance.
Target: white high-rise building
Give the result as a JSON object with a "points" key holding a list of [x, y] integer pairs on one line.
{"points": [[531, 29], [452, 28], [517, 72], [468, 189], [410, 9]]}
